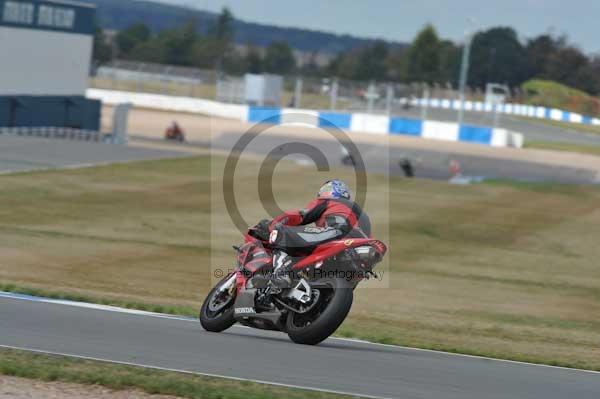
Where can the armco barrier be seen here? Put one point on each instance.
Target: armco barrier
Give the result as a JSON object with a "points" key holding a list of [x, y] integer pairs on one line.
{"points": [[170, 103], [440, 130], [299, 117], [365, 123], [335, 119], [379, 124], [410, 127], [531, 111], [260, 114], [475, 134]]}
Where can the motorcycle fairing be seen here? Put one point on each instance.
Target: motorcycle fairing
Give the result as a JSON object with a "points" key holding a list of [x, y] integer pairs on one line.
{"points": [[254, 258], [330, 249]]}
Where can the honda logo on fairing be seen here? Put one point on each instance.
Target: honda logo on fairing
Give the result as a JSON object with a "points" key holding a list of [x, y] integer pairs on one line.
{"points": [[244, 310]]}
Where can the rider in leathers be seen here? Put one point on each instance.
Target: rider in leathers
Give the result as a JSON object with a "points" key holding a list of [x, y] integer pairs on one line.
{"points": [[335, 216]]}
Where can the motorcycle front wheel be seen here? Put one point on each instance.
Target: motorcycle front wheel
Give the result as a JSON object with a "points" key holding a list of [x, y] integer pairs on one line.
{"points": [[334, 303], [216, 313]]}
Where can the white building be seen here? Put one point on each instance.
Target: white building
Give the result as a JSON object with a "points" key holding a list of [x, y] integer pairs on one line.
{"points": [[46, 52]]}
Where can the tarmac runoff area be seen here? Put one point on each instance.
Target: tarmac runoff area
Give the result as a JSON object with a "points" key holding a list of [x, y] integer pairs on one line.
{"points": [[22, 154], [336, 365], [382, 153]]}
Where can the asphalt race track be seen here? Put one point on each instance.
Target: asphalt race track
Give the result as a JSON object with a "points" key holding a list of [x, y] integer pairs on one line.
{"points": [[32, 153], [427, 163], [19, 154], [352, 367]]}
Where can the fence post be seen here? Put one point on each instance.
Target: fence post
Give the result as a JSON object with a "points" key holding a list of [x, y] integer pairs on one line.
{"points": [[232, 91], [333, 94], [298, 92], [138, 81], [389, 98], [371, 96], [120, 116], [193, 83], [425, 102], [218, 90]]}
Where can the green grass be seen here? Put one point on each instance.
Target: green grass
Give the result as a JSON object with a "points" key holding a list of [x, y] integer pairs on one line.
{"points": [[567, 126], [555, 95], [208, 91], [500, 269], [120, 377], [567, 147]]}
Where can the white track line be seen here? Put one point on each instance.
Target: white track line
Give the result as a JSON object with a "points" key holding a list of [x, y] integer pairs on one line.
{"points": [[183, 318], [279, 384], [95, 306]]}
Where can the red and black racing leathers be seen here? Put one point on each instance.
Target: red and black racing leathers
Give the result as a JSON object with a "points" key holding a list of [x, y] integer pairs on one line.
{"points": [[333, 218]]}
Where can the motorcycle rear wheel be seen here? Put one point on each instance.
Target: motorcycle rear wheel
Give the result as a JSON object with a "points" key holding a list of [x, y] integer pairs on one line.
{"points": [[215, 319], [334, 304]]}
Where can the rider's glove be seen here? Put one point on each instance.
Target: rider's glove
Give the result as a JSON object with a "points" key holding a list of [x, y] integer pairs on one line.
{"points": [[262, 229]]}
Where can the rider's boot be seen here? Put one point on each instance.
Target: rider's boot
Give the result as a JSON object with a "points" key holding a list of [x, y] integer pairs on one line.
{"points": [[282, 264], [280, 276]]}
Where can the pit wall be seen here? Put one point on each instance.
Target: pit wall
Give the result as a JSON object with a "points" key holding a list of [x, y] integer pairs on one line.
{"points": [[530, 111], [72, 112], [355, 122]]}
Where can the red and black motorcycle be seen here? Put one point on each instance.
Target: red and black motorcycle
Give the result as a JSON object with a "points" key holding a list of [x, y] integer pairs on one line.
{"points": [[318, 301]]}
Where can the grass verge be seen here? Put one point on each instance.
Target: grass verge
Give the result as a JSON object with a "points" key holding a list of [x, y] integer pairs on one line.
{"points": [[567, 126], [120, 377], [567, 147]]}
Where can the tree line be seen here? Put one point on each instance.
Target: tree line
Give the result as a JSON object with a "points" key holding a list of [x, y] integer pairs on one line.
{"points": [[185, 46], [497, 55]]}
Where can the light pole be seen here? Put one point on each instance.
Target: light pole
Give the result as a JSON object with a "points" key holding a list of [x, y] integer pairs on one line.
{"points": [[464, 73], [464, 69]]}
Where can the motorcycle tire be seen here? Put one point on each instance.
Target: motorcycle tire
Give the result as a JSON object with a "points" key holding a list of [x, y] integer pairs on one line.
{"points": [[220, 321], [330, 315]]}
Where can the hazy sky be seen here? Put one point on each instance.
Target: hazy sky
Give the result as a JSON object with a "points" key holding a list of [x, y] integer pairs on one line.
{"points": [[401, 19]]}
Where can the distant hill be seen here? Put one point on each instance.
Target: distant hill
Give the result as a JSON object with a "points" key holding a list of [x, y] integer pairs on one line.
{"points": [[119, 14]]}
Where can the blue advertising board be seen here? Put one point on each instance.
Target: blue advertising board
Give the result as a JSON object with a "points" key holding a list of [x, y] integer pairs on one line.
{"points": [[75, 112]]}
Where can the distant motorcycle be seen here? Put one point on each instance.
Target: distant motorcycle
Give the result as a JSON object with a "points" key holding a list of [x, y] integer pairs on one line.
{"points": [[318, 302], [174, 132]]}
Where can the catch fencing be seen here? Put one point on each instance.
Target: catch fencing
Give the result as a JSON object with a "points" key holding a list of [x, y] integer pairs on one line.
{"points": [[320, 93]]}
